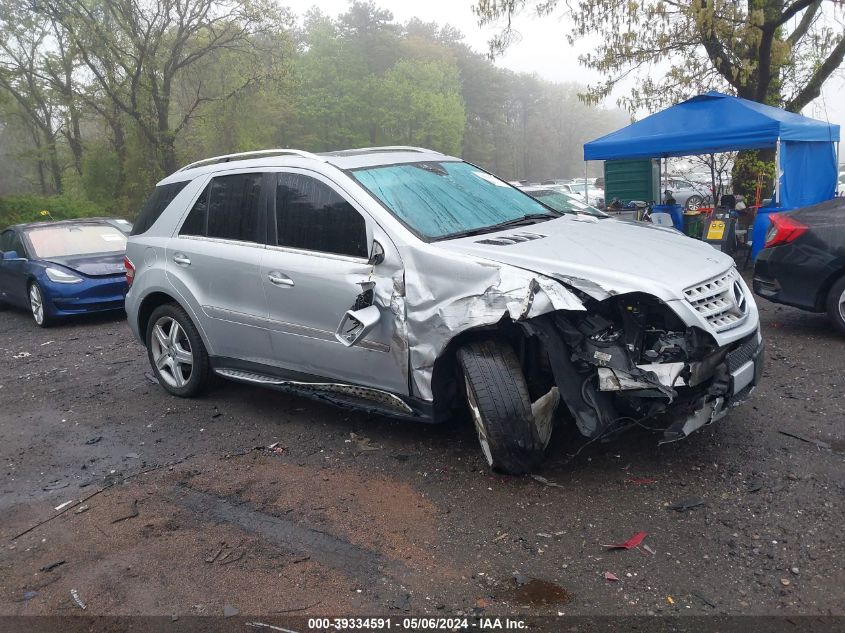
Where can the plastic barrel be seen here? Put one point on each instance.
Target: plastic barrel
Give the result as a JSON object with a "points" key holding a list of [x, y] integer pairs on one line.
{"points": [[675, 210]]}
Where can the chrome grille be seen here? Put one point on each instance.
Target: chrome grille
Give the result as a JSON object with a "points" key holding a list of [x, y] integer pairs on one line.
{"points": [[721, 301]]}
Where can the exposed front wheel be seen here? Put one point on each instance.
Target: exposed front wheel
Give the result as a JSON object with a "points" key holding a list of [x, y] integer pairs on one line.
{"points": [[176, 351], [497, 396], [37, 307], [836, 305]]}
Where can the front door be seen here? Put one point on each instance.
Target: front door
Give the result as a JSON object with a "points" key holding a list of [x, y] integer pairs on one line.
{"points": [[214, 262], [316, 268], [13, 272]]}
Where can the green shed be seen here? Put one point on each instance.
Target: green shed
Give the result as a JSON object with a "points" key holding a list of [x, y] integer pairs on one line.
{"points": [[635, 179]]}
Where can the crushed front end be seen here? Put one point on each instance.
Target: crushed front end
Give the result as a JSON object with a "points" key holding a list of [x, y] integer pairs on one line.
{"points": [[631, 358]]}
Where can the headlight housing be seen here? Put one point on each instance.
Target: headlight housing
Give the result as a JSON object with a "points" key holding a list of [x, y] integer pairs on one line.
{"points": [[62, 277]]}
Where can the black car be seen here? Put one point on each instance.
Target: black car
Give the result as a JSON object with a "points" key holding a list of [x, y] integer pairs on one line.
{"points": [[803, 261]]}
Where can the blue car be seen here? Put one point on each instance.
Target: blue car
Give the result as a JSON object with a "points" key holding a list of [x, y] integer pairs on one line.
{"points": [[58, 269]]}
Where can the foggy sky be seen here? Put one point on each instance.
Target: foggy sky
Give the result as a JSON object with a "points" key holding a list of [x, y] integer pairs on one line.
{"points": [[543, 48]]}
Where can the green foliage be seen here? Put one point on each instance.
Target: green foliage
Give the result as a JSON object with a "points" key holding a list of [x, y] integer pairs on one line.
{"points": [[29, 208], [748, 167]]}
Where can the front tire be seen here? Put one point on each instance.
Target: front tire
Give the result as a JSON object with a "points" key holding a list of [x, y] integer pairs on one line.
{"points": [[836, 305], [176, 352], [37, 308], [500, 407]]}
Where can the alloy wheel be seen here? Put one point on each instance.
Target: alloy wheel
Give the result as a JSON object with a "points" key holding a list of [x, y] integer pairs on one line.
{"points": [[479, 424], [842, 305], [172, 354], [36, 303]]}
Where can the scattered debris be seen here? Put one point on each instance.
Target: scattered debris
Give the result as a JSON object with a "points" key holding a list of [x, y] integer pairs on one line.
{"points": [[132, 513], [632, 542], [132, 456], [213, 557], [47, 343], [276, 448], [151, 378], [670, 600], [301, 559], [80, 509], [27, 595], [610, 576], [686, 504], [519, 579], [403, 603], [500, 537], [362, 443], [225, 559], [640, 481], [63, 505], [703, 598], [785, 582], [647, 548], [794, 570], [56, 485], [75, 595], [755, 485], [22, 355], [808, 440], [229, 611], [264, 625], [94, 440], [52, 566], [545, 481]]}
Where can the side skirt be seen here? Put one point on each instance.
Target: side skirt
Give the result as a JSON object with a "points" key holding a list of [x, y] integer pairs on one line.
{"points": [[341, 394]]}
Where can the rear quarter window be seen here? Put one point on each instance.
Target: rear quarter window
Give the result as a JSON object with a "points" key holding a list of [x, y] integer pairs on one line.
{"points": [[155, 205]]}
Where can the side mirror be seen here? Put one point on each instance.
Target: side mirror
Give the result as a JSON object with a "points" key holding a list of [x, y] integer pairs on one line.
{"points": [[356, 324], [377, 255]]}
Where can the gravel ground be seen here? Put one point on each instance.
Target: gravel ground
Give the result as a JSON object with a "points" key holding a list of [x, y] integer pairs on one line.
{"points": [[187, 511]]}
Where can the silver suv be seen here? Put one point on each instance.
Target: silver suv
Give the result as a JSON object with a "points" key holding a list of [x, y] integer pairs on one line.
{"points": [[414, 284]]}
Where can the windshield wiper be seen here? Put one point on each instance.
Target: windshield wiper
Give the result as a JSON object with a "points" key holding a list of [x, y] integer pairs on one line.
{"points": [[530, 217]]}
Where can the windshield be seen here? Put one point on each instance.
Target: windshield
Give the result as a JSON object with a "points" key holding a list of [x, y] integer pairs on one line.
{"points": [[441, 199], [565, 202], [75, 239]]}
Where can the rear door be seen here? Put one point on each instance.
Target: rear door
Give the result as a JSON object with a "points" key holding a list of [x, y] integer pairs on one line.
{"points": [[314, 270], [214, 263]]}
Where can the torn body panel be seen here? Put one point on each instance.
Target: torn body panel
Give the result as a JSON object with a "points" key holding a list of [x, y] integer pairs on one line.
{"points": [[446, 294]]}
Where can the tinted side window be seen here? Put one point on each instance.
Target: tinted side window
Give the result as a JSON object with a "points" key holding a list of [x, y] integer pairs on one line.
{"points": [[228, 209], [154, 206], [312, 216], [6, 241], [11, 241]]}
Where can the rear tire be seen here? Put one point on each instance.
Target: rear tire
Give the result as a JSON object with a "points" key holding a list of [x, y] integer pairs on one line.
{"points": [[694, 202], [836, 305], [500, 407], [176, 352]]}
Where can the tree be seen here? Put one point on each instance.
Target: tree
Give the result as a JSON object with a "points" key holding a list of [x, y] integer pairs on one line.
{"points": [[778, 52], [139, 53]]}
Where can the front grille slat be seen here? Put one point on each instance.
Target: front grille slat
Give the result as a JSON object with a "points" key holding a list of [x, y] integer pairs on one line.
{"points": [[720, 301]]}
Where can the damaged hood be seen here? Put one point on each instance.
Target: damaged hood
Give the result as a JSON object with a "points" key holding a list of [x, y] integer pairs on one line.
{"points": [[601, 257]]}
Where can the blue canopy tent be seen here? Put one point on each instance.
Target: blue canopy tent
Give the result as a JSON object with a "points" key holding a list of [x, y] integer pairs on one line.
{"points": [[806, 149]]}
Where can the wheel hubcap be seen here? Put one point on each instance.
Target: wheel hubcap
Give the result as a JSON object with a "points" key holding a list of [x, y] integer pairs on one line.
{"points": [[37, 304], [479, 424], [172, 355]]}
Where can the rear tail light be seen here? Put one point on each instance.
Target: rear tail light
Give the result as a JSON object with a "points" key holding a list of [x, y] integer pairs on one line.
{"points": [[783, 230], [130, 271]]}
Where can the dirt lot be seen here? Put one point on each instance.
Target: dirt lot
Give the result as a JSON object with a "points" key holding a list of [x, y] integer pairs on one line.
{"points": [[355, 514]]}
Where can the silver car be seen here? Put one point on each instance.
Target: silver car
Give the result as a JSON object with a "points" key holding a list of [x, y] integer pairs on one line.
{"points": [[414, 284]]}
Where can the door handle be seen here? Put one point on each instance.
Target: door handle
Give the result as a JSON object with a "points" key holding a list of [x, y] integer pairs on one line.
{"points": [[280, 279], [181, 259]]}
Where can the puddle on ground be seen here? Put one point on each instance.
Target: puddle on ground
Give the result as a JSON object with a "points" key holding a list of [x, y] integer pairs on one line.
{"points": [[537, 593]]}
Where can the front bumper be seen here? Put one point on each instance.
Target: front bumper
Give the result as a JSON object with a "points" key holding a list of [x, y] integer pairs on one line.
{"points": [[92, 295], [733, 382]]}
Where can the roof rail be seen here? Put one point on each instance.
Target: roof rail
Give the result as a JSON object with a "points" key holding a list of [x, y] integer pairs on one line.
{"points": [[394, 148], [225, 158]]}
